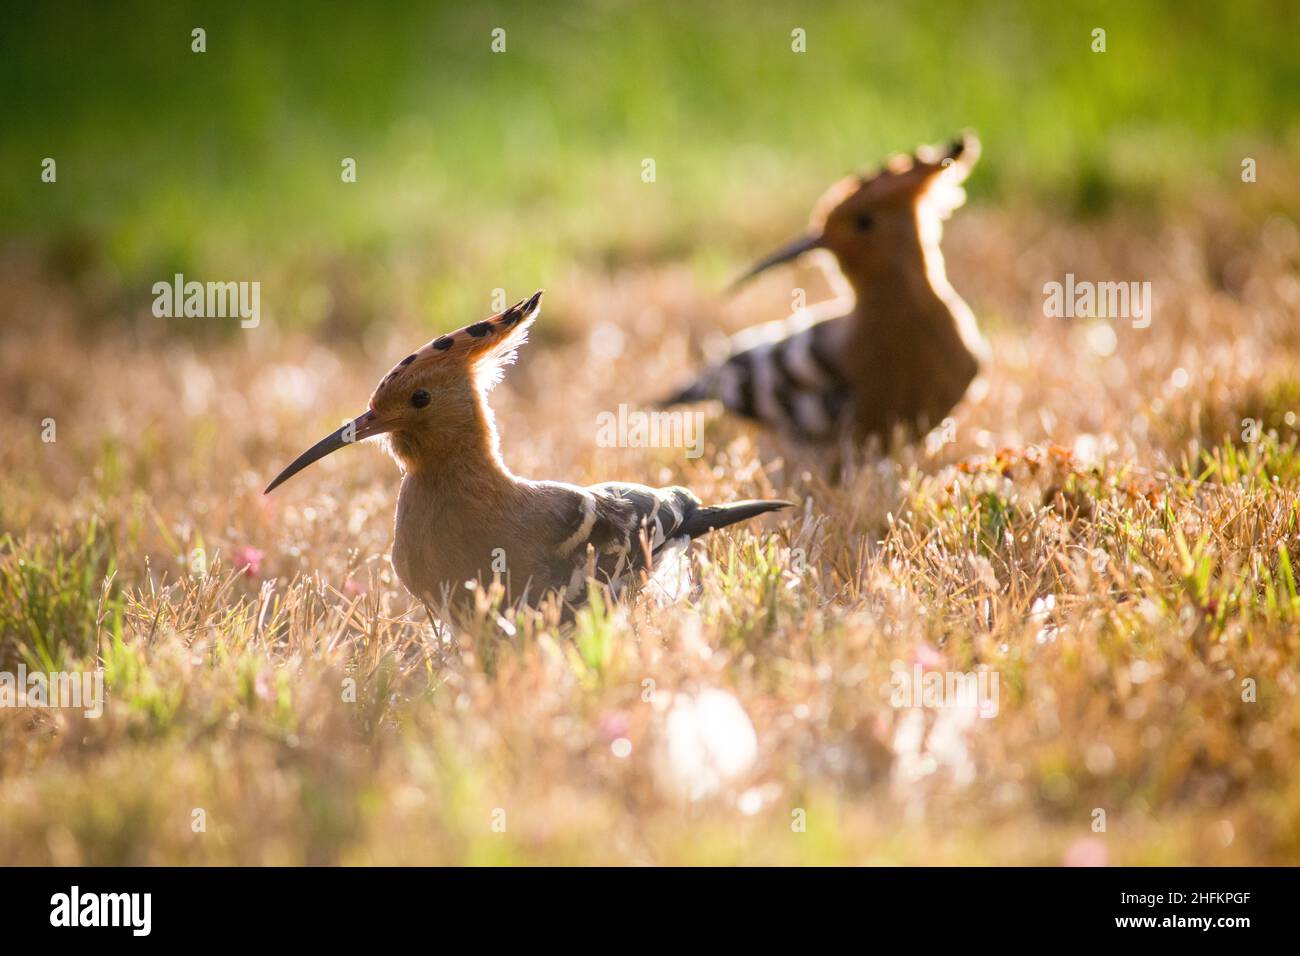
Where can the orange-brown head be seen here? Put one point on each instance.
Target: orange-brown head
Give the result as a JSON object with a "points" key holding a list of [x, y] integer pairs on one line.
{"points": [[878, 225], [431, 406]]}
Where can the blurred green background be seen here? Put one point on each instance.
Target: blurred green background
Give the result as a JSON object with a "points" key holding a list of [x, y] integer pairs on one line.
{"points": [[478, 169]]}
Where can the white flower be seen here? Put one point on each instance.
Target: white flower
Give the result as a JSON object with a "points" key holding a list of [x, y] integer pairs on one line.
{"points": [[708, 741]]}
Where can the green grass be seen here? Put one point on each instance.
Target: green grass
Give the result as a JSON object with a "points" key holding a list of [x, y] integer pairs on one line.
{"points": [[54, 597], [479, 170]]}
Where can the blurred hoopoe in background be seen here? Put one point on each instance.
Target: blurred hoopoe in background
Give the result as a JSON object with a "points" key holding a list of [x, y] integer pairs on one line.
{"points": [[906, 349], [462, 516]]}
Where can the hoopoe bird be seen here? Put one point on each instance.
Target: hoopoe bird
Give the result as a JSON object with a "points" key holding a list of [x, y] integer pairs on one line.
{"points": [[901, 351], [463, 517]]}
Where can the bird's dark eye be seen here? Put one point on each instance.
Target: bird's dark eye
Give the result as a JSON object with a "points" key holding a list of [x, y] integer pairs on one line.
{"points": [[863, 222], [420, 398]]}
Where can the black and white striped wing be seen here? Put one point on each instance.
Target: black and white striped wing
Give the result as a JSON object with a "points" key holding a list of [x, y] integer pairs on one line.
{"points": [[635, 523], [614, 531], [784, 375], [621, 530]]}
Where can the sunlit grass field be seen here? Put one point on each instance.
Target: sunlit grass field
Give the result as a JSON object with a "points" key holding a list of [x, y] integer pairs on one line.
{"points": [[479, 170], [1112, 528]]}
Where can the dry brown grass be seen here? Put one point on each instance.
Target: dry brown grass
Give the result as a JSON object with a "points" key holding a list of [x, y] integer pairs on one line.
{"points": [[1126, 496]]}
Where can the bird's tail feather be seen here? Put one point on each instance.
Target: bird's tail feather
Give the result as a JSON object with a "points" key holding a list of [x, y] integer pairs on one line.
{"points": [[719, 516], [697, 391]]}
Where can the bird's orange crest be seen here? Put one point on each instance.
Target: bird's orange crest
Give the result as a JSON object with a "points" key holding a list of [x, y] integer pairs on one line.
{"points": [[483, 349], [932, 174], [874, 223], [432, 405]]}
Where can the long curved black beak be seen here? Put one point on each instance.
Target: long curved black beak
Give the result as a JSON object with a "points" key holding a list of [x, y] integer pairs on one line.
{"points": [[364, 426], [789, 251]]}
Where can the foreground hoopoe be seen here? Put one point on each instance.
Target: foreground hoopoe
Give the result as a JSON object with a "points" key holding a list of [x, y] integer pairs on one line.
{"points": [[906, 349], [462, 516]]}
